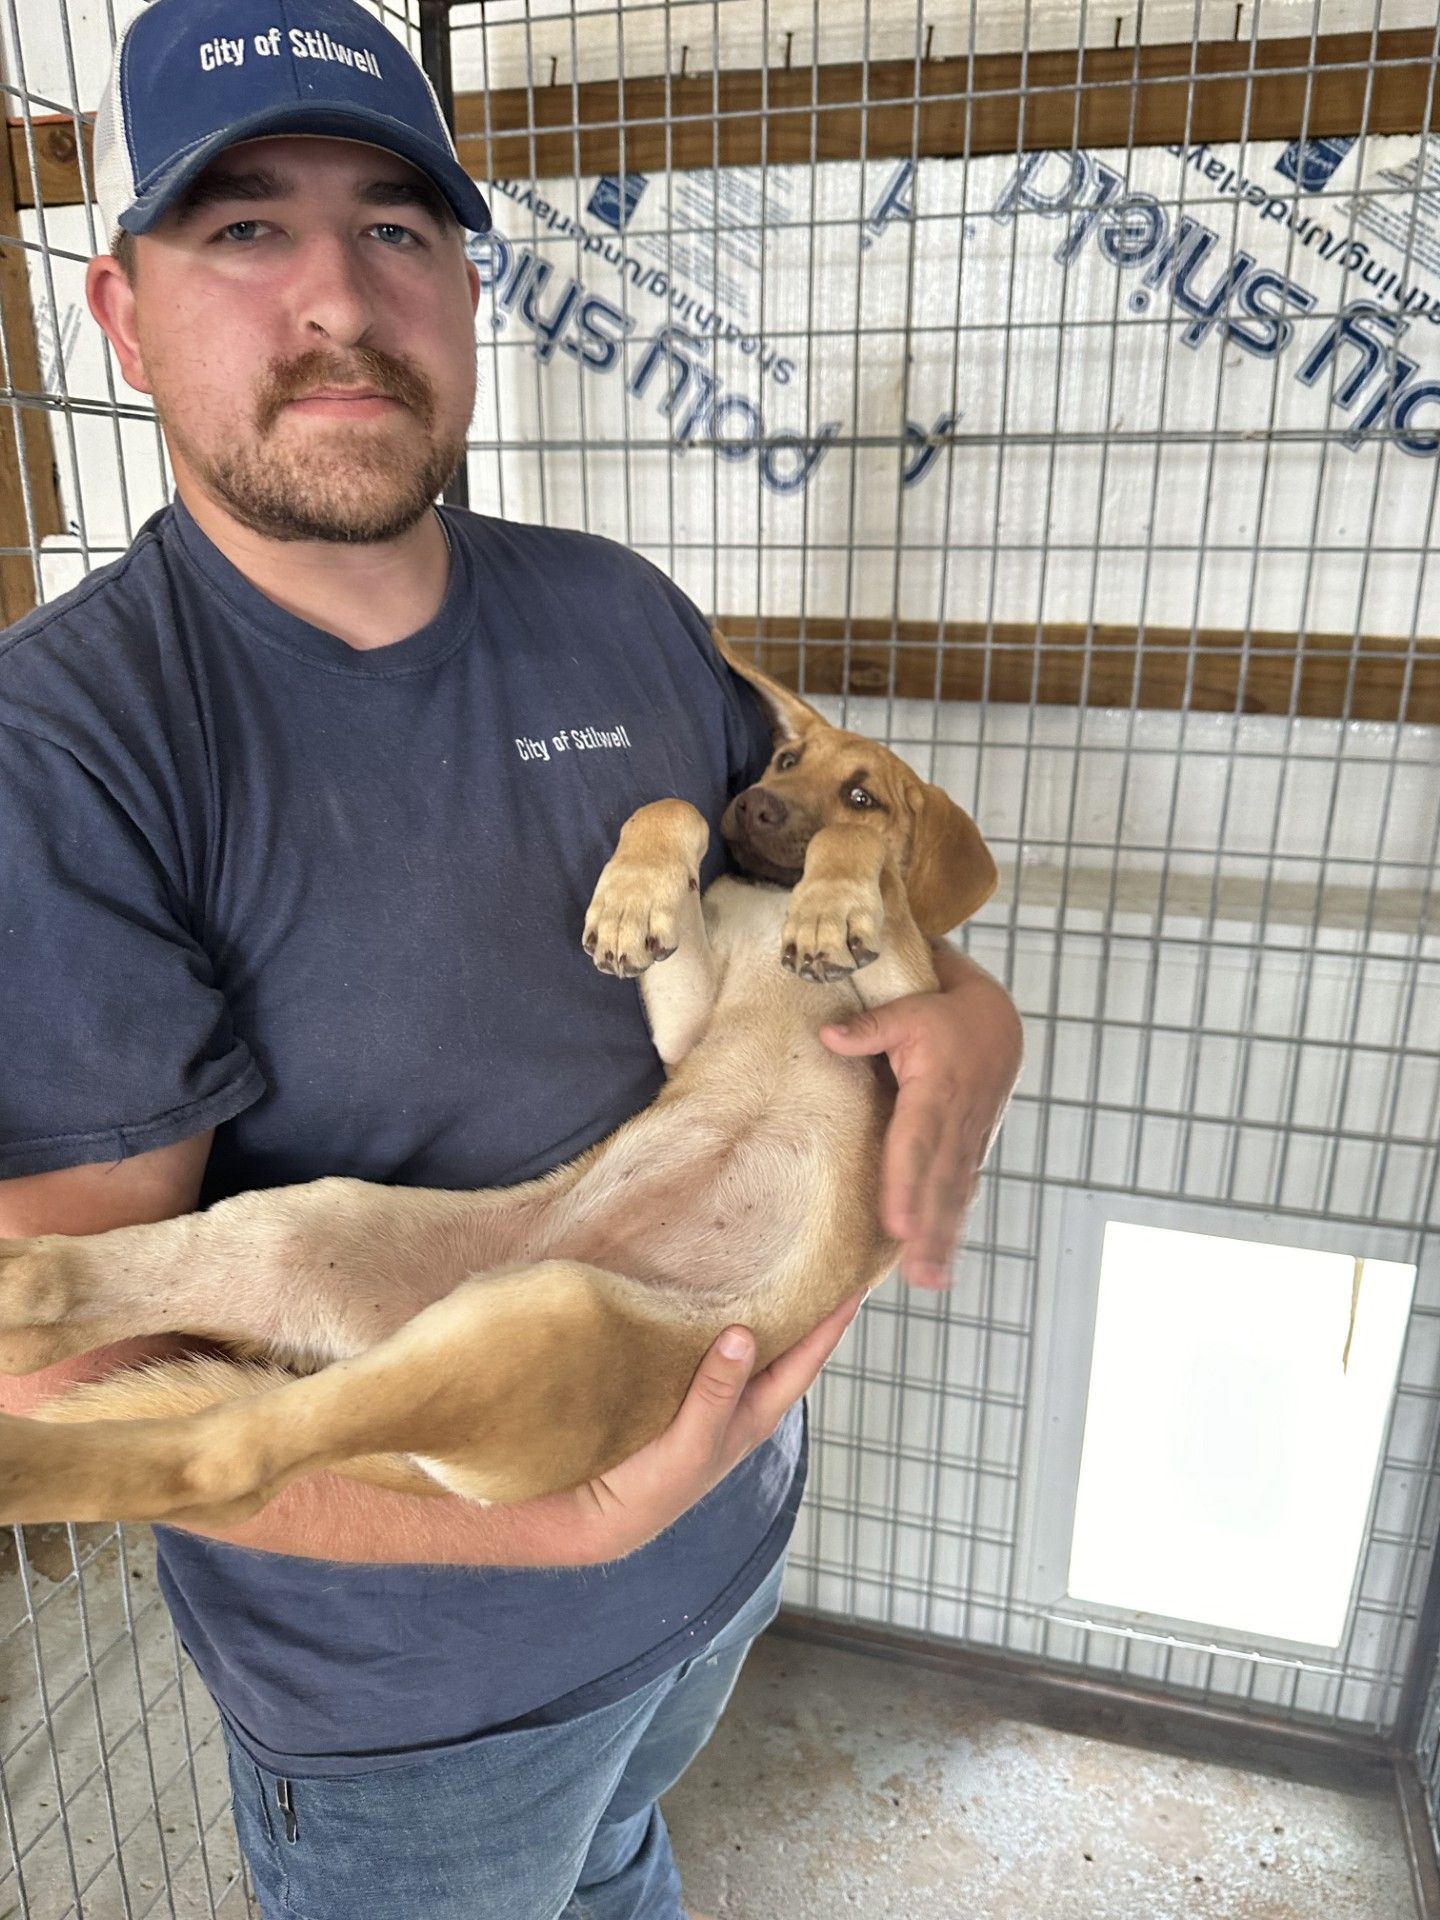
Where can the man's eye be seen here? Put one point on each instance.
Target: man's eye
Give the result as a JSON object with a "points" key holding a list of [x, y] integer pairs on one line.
{"points": [[394, 235], [784, 761], [240, 230]]}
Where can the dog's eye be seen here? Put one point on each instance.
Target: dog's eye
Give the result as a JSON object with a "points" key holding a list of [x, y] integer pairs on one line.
{"points": [[858, 797], [784, 761]]}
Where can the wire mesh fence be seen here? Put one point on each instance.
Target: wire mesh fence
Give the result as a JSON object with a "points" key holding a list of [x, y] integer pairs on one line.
{"points": [[1053, 393], [112, 1773]]}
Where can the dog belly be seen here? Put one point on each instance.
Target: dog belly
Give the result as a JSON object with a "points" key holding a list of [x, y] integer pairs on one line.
{"points": [[703, 1231], [720, 1214]]}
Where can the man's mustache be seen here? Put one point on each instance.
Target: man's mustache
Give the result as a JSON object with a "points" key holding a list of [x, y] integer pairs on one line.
{"points": [[365, 367]]}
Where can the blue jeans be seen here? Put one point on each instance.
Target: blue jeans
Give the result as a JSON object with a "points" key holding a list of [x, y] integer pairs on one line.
{"points": [[528, 1824]]}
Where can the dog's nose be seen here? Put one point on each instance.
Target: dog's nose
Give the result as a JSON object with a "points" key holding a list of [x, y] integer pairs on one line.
{"points": [[759, 808]]}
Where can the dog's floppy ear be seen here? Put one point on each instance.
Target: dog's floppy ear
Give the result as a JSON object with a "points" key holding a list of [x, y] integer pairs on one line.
{"points": [[951, 874], [789, 714]]}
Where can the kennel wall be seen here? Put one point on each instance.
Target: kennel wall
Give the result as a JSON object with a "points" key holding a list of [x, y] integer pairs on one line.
{"points": [[1055, 394]]}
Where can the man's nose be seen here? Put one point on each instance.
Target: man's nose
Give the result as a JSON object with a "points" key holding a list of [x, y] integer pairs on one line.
{"points": [[758, 807], [332, 295]]}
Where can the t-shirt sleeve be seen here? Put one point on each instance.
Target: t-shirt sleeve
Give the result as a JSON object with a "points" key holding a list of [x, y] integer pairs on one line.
{"points": [[114, 1036], [747, 730]]}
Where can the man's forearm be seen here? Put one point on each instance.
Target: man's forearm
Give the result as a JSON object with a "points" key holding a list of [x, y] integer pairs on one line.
{"points": [[959, 975], [323, 1516], [955, 969]]}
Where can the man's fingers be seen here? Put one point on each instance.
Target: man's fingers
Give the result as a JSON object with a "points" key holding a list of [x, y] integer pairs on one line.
{"points": [[725, 1410], [702, 1424], [794, 1372], [862, 1033], [929, 1250], [934, 1189], [720, 1420], [720, 1380], [909, 1152]]}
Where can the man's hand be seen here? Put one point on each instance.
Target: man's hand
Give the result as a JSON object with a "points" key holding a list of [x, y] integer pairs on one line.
{"points": [[723, 1417], [956, 1057]]}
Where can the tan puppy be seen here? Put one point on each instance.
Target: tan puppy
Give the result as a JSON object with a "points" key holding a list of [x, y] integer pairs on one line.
{"points": [[517, 1341]]}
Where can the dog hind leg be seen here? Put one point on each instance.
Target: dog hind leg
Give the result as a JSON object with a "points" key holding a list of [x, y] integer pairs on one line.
{"points": [[321, 1270], [512, 1385]]}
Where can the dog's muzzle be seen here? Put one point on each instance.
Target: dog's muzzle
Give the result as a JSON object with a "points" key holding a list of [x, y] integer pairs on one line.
{"points": [[765, 836]]}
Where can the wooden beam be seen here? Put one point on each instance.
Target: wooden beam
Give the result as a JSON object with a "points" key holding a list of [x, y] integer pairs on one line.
{"points": [[29, 456], [56, 162], [1330, 675], [948, 108], [1105, 97]]}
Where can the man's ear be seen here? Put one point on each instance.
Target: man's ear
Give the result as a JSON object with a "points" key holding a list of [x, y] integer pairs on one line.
{"points": [[112, 301], [790, 716], [951, 874]]}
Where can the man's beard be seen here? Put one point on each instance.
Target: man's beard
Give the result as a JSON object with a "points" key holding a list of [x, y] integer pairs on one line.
{"points": [[351, 487]]}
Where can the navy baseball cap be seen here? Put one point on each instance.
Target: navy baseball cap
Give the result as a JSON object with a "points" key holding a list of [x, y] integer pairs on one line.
{"points": [[192, 77]]}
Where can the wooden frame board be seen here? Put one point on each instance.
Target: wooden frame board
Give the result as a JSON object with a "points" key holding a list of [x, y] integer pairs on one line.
{"points": [[27, 453], [1329, 675], [997, 103]]}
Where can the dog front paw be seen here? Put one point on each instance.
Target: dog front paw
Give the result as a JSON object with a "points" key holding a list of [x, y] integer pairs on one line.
{"points": [[634, 917], [832, 929]]}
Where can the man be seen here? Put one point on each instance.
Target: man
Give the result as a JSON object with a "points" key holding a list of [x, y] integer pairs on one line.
{"points": [[283, 898]]}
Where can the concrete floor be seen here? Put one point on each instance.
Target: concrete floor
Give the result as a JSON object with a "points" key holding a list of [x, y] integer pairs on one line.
{"points": [[840, 1783], [164, 1793]]}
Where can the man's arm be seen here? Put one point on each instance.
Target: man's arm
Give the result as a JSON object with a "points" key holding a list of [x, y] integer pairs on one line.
{"points": [[725, 1416], [322, 1516]]}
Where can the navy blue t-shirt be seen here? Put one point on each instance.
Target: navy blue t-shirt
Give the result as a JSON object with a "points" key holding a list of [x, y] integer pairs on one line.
{"points": [[329, 903]]}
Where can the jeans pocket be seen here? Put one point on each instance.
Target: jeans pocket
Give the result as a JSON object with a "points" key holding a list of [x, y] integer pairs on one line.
{"points": [[262, 1828]]}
